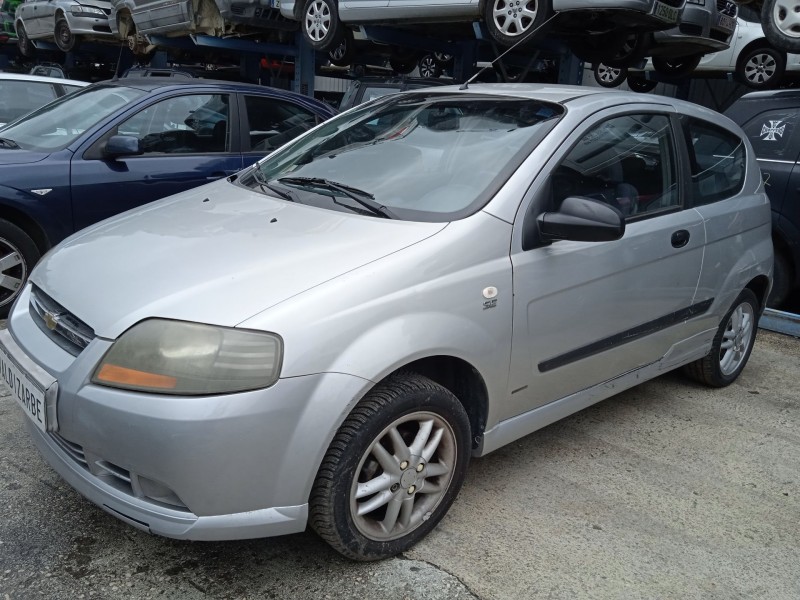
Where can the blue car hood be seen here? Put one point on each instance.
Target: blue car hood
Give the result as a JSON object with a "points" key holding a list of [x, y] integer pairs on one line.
{"points": [[20, 157]]}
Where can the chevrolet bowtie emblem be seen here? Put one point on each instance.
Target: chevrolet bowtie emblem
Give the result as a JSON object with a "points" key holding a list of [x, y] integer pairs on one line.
{"points": [[51, 320]]}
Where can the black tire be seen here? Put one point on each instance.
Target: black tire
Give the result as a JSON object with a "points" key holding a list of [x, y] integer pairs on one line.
{"points": [[518, 18], [632, 50], [678, 66], [778, 34], [321, 26], [782, 279], [24, 43], [20, 252], [709, 369], [761, 68], [405, 402], [609, 77], [429, 67], [640, 85], [63, 36], [342, 55]]}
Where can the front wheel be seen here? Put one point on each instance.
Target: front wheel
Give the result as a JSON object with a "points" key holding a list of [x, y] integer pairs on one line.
{"points": [[392, 470], [731, 346], [641, 85], [509, 21], [321, 26], [780, 20], [343, 54], [429, 66], [609, 77], [64, 38], [18, 255]]}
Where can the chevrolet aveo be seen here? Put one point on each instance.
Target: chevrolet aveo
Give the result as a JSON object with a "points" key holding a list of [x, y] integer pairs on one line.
{"points": [[326, 338]]}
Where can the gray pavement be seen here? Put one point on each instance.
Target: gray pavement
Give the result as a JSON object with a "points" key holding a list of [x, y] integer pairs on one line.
{"points": [[668, 490]]}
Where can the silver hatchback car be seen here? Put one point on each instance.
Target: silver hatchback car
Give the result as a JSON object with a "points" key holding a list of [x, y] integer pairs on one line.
{"points": [[328, 337]]}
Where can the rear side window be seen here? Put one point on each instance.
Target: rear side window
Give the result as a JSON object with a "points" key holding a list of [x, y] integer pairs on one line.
{"points": [[774, 134], [717, 160]]}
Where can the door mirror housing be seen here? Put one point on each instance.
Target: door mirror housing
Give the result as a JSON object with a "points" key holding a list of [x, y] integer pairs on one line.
{"points": [[581, 220], [122, 145]]}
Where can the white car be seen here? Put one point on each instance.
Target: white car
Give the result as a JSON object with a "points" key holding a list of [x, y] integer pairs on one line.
{"points": [[751, 58], [21, 94]]}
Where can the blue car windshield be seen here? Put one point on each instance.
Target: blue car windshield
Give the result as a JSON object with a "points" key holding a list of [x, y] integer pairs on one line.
{"points": [[56, 125], [424, 156]]}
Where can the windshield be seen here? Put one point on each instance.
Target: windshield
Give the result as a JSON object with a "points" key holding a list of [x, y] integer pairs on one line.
{"points": [[58, 124], [417, 156]]}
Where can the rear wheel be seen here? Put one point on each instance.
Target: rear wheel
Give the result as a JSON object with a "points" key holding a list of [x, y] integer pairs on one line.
{"points": [[609, 77], [24, 43], [321, 26], [64, 38], [761, 68], [18, 255], [510, 21], [429, 67], [731, 346], [678, 66], [392, 470], [343, 54], [640, 85]]}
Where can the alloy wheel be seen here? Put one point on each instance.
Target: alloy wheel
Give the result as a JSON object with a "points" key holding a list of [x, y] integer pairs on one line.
{"points": [[514, 17], [786, 15], [608, 75], [760, 68], [736, 339], [13, 271], [318, 20]]}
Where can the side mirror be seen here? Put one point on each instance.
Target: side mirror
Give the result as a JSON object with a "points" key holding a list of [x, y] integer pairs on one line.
{"points": [[582, 220], [122, 145]]}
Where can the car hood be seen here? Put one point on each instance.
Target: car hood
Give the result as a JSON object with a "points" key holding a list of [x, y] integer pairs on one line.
{"points": [[20, 157], [218, 254]]}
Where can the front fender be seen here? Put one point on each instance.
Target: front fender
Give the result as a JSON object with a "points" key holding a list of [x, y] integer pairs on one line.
{"points": [[53, 218]]}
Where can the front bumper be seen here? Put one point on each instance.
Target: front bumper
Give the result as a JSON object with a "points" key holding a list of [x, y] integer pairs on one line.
{"points": [[88, 26], [203, 468], [629, 13]]}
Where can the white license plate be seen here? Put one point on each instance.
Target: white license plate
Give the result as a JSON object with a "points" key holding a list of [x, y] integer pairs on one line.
{"points": [[727, 23], [28, 394], [666, 12], [276, 3]]}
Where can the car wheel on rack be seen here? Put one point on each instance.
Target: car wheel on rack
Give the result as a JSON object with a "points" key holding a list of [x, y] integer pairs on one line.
{"points": [[429, 67], [18, 255], [64, 38], [393, 469], [761, 68], [509, 21], [678, 66], [781, 25], [641, 85], [343, 54], [321, 26], [609, 77], [731, 346], [24, 43]]}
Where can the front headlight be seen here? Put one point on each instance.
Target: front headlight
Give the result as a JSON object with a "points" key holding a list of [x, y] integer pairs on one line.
{"points": [[79, 10], [176, 357]]}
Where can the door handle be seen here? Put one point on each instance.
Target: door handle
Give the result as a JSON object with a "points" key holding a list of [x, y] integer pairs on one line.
{"points": [[680, 238]]}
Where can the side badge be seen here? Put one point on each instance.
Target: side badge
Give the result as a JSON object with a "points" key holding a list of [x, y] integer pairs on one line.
{"points": [[42, 192], [490, 293]]}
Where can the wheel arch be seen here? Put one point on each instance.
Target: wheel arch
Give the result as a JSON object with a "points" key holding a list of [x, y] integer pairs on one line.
{"points": [[27, 224], [759, 285], [757, 43]]}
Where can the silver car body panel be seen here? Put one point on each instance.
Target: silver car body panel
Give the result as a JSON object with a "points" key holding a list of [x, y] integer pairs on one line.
{"points": [[39, 18], [355, 298]]}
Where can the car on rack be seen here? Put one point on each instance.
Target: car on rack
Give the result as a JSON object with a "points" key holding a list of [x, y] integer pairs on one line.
{"points": [[119, 144], [326, 339], [592, 29], [750, 58], [21, 94], [64, 22], [771, 121]]}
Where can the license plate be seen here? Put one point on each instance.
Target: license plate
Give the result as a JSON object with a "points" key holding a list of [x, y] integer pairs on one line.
{"points": [[276, 3], [666, 12], [27, 392], [727, 22]]}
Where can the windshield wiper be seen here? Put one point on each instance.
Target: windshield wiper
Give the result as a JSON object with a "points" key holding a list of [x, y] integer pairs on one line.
{"points": [[365, 199], [266, 185], [10, 144]]}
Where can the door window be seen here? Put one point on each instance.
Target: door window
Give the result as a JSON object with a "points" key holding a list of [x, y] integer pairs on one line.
{"points": [[189, 124], [627, 162], [273, 122], [774, 134], [717, 160]]}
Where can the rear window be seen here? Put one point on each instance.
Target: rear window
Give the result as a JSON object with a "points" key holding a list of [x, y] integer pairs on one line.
{"points": [[717, 161]]}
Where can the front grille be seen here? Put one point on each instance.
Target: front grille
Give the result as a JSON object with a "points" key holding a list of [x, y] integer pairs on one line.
{"points": [[689, 29], [60, 325], [120, 479], [726, 7]]}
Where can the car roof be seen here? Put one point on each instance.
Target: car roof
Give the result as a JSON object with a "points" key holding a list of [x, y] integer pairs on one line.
{"points": [[756, 103], [41, 79]]}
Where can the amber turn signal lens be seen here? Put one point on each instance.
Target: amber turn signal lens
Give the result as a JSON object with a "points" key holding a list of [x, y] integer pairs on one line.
{"points": [[131, 377]]}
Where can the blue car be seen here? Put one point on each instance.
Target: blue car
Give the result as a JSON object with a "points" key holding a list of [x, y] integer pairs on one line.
{"points": [[119, 144]]}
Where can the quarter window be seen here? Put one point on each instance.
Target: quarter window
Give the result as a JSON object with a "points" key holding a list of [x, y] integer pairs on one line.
{"points": [[627, 162], [774, 134], [717, 160]]}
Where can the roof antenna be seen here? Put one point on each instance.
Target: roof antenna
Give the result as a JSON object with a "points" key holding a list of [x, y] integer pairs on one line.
{"points": [[119, 61], [526, 38]]}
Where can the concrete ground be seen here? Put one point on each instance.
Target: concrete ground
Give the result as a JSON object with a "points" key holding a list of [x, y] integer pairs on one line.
{"points": [[669, 490]]}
